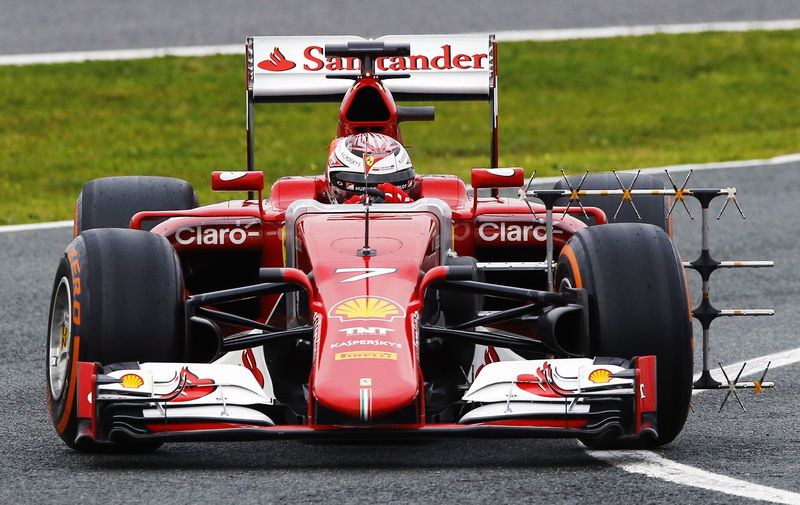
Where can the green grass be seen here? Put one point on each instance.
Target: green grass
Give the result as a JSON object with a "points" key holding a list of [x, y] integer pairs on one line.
{"points": [[600, 104]]}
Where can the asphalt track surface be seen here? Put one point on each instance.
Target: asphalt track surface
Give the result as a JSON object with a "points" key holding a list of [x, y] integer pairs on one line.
{"points": [[39, 26], [759, 446]]}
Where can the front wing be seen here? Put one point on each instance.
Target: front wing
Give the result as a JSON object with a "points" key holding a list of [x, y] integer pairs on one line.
{"points": [[536, 398]]}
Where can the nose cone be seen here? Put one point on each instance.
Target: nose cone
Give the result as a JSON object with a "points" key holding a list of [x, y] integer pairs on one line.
{"points": [[366, 368], [366, 365]]}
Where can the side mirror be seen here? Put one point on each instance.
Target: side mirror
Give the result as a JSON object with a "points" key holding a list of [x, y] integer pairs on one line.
{"points": [[423, 113], [237, 181], [498, 178]]}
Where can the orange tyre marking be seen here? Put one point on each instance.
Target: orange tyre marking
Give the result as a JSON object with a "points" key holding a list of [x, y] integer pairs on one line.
{"points": [[567, 252], [64, 421]]}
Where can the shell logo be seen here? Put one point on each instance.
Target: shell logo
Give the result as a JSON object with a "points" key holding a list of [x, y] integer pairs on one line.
{"points": [[131, 381], [600, 376], [367, 307]]}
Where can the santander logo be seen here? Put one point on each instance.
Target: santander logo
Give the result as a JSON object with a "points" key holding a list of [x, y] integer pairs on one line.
{"points": [[447, 59], [277, 62], [312, 59]]}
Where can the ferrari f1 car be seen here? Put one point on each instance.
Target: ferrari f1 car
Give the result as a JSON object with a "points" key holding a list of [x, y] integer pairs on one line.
{"points": [[459, 314]]}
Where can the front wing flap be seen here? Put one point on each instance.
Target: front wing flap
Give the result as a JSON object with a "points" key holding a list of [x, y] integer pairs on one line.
{"points": [[132, 399], [178, 401], [593, 396]]}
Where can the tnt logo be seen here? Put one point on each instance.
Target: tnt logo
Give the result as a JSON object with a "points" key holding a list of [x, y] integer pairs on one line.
{"points": [[361, 331]]}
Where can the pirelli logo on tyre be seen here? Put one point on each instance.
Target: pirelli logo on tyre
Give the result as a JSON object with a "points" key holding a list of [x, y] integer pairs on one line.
{"points": [[75, 269]]}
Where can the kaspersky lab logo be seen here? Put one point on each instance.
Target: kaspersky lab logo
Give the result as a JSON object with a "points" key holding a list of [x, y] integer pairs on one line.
{"points": [[277, 62]]}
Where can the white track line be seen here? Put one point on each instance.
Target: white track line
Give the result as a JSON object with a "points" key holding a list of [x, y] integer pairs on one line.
{"points": [[35, 226], [652, 465], [120, 54], [641, 30], [714, 165], [697, 167], [504, 36]]}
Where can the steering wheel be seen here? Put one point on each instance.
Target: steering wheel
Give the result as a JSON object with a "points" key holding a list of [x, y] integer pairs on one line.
{"points": [[376, 195]]}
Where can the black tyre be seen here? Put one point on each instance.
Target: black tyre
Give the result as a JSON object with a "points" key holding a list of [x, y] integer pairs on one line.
{"points": [[638, 305], [117, 297], [652, 209], [111, 202]]}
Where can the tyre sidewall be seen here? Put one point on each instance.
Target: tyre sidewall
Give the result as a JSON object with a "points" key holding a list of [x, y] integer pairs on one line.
{"points": [[63, 408], [126, 292]]}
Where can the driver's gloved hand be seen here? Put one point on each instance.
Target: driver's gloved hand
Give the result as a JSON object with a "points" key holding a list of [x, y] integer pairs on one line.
{"points": [[355, 199], [394, 194]]}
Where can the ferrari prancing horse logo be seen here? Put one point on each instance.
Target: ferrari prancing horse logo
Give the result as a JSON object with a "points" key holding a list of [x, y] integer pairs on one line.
{"points": [[367, 307]]}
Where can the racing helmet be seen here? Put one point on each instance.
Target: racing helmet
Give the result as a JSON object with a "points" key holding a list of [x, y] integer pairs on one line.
{"points": [[383, 158]]}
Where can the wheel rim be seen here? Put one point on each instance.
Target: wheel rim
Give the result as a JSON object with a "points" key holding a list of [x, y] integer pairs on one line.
{"points": [[60, 338]]}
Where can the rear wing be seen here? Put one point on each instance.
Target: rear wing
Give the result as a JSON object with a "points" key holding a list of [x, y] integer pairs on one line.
{"points": [[441, 67]]}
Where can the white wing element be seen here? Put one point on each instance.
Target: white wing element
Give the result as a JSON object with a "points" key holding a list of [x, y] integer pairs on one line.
{"points": [[254, 360], [438, 64], [189, 390], [503, 410], [543, 387]]}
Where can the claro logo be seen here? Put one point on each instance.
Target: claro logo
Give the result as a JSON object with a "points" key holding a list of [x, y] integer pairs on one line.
{"points": [[510, 232], [198, 235]]}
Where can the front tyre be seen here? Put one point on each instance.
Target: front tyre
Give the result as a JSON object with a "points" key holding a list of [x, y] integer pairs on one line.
{"points": [[638, 306], [117, 297]]}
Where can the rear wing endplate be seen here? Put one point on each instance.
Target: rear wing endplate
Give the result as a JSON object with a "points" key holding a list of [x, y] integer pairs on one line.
{"points": [[441, 67]]}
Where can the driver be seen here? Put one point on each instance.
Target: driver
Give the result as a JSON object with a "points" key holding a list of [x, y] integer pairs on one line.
{"points": [[384, 161]]}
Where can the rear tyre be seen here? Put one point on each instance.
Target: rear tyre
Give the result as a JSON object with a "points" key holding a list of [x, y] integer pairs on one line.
{"points": [[652, 209], [638, 305], [111, 202], [117, 297]]}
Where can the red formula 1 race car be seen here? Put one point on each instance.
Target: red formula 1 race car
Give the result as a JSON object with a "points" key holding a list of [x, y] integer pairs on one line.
{"points": [[444, 313]]}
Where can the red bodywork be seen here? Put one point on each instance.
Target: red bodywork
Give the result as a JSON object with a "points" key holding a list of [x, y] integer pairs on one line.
{"points": [[365, 358]]}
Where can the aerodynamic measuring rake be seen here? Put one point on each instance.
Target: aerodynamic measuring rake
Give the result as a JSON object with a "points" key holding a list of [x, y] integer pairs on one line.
{"points": [[705, 264]]}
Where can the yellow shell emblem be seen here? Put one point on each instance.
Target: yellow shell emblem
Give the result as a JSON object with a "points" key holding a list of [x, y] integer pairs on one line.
{"points": [[131, 381], [600, 376], [367, 307]]}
